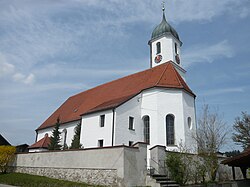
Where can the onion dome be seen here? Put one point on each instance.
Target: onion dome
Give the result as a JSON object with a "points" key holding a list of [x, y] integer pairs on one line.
{"points": [[164, 28]]}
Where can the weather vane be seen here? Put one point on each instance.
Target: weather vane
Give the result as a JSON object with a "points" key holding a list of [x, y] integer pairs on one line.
{"points": [[163, 6]]}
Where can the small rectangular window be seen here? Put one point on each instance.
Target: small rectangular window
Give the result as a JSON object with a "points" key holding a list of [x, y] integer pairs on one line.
{"points": [[130, 143], [131, 123], [102, 120], [100, 143]]}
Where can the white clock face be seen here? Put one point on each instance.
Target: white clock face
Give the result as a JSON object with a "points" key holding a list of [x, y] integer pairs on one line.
{"points": [[158, 59]]}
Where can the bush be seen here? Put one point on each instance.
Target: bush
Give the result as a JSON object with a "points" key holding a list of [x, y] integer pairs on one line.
{"points": [[178, 166], [185, 168], [7, 155]]}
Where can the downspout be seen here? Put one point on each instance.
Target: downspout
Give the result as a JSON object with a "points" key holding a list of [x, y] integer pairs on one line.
{"points": [[113, 126]]}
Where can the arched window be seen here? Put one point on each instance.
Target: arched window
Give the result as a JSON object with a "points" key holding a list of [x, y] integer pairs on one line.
{"points": [[189, 120], [170, 129], [158, 47], [175, 48], [64, 138], [146, 123]]}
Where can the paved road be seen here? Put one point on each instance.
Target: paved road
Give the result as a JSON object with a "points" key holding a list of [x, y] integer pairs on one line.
{"points": [[5, 185]]}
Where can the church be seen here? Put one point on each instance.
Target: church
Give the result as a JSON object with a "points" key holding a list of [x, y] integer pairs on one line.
{"points": [[154, 106]]}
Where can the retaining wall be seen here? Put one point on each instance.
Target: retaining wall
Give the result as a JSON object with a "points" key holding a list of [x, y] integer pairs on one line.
{"points": [[111, 166]]}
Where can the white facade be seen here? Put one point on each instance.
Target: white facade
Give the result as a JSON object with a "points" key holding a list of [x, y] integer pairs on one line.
{"points": [[167, 45], [156, 103], [67, 128], [92, 132]]}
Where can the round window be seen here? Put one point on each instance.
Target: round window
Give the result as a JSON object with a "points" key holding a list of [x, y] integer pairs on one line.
{"points": [[189, 123]]}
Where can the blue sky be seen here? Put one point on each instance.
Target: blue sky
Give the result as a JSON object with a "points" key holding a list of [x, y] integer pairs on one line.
{"points": [[50, 50]]}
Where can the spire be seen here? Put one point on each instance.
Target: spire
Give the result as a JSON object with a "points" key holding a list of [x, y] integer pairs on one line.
{"points": [[163, 11]]}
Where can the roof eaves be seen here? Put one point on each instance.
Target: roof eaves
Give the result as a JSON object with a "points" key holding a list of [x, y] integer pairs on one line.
{"points": [[63, 123]]}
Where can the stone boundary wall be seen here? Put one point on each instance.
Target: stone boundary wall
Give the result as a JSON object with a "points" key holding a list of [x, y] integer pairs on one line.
{"points": [[157, 161], [110, 166], [106, 177]]}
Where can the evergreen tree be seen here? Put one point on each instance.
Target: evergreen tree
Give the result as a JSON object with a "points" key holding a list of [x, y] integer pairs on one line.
{"points": [[232, 153], [75, 144], [55, 138], [242, 130]]}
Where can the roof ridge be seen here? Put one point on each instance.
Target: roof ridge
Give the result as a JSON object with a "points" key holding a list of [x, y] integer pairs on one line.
{"points": [[44, 140], [111, 81], [167, 63], [176, 74]]}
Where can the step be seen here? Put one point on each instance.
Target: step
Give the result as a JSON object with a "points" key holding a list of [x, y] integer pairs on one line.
{"points": [[162, 179], [170, 185], [168, 182], [158, 175]]}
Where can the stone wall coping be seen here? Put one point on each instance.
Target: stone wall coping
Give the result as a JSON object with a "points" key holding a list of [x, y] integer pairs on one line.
{"points": [[137, 143], [161, 146], [84, 149]]}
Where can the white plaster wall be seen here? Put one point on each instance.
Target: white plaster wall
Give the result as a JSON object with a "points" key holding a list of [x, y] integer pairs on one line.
{"points": [[158, 103], [41, 133], [91, 131], [37, 150], [189, 111], [68, 126], [167, 49], [122, 132]]}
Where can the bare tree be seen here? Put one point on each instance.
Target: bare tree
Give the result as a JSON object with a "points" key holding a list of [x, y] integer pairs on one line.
{"points": [[242, 129], [210, 137]]}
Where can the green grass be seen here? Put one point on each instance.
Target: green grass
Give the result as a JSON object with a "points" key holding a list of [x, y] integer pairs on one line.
{"points": [[26, 180]]}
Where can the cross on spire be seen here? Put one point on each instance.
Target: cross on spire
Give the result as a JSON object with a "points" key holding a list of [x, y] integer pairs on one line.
{"points": [[163, 6]]}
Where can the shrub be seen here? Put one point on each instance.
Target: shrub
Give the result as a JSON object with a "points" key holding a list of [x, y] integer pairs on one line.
{"points": [[7, 155]]}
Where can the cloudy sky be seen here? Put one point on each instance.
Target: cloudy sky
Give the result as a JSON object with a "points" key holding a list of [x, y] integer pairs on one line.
{"points": [[50, 50]]}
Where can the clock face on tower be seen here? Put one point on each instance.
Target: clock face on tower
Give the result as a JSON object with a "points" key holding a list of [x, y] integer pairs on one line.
{"points": [[158, 58]]}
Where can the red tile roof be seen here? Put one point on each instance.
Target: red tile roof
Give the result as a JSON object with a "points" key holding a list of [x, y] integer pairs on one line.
{"points": [[114, 93], [42, 143]]}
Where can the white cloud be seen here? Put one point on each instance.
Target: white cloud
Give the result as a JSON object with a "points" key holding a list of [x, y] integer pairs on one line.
{"points": [[223, 91], [5, 67], [207, 53], [19, 77]]}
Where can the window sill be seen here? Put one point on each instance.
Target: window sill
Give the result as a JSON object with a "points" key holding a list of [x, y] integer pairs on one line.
{"points": [[131, 129]]}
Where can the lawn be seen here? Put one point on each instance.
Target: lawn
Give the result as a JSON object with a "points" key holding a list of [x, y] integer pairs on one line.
{"points": [[26, 180]]}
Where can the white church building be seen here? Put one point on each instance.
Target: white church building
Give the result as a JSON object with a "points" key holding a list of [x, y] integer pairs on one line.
{"points": [[155, 106]]}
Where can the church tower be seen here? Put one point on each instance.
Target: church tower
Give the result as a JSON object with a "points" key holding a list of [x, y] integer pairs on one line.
{"points": [[165, 46]]}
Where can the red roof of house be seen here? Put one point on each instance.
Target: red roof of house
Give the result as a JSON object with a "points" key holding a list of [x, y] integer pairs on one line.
{"points": [[43, 143], [114, 93], [240, 160]]}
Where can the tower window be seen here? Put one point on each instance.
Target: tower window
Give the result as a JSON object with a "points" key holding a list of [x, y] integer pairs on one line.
{"points": [[146, 129], [170, 129], [189, 120], [158, 47], [131, 123], [102, 120], [175, 48]]}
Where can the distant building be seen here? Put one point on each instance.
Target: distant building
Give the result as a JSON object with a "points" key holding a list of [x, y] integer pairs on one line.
{"points": [[155, 106], [3, 141], [22, 148]]}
